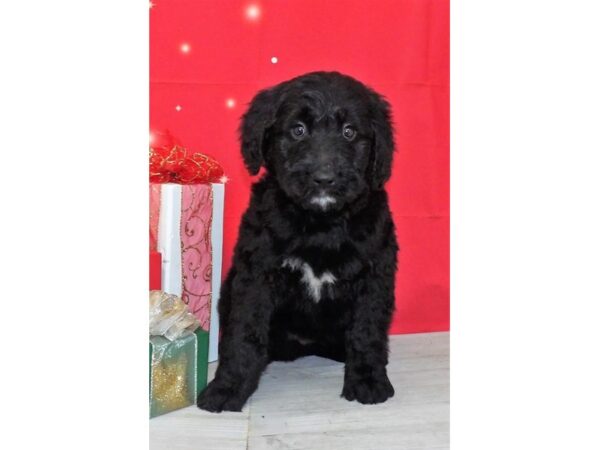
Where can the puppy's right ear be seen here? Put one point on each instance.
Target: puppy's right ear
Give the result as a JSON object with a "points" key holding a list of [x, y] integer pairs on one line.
{"points": [[255, 124]]}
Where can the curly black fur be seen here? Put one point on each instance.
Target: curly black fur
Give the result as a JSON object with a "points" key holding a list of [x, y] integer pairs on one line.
{"points": [[314, 265]]}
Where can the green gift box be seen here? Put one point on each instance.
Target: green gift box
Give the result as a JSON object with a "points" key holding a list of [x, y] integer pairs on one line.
{"points": [[178, 371]]}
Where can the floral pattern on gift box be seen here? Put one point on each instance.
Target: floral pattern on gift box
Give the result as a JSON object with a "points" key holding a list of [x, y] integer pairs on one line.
{"points": [[154, 215], [196, 250]]}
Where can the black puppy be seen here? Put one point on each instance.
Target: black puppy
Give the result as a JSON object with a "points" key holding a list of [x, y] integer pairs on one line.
{"points": [[314, 265]]}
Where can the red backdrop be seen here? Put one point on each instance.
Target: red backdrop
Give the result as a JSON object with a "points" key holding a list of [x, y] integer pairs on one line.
{"points": [[208, 58]]}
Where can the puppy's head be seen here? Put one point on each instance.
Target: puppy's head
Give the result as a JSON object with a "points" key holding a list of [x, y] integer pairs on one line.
{"points": [[326, 137]]}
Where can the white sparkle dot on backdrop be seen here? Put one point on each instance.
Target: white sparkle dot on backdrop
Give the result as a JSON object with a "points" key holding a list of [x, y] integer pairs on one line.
{"points": [[230, 103], [178, 108], [253, 12], [151, 5], [185, 47], [274, 59]]}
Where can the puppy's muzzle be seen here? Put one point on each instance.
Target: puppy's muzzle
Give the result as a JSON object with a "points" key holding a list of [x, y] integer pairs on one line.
{"points": [[324, 178]]}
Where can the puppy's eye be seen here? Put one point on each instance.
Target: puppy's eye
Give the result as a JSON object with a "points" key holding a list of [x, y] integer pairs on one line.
{"points": [[349, 132], [298, 131]]}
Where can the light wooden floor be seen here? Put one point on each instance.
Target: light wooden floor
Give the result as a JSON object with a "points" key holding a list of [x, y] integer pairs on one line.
{"points": [[298, 406]]}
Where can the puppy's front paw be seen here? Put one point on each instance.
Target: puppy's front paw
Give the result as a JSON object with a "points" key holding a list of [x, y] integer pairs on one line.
{"points": [[368, 390], [215, 398]]}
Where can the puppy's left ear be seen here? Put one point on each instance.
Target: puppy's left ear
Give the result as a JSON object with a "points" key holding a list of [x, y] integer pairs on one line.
{"points": [[255, 124], [383, 137]]}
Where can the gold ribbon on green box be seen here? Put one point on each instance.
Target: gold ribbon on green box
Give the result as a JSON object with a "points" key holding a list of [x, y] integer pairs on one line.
{"points": [[178, 357]]}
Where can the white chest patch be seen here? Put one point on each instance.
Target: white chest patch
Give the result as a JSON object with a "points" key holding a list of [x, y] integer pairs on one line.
{"points": [[313, 283]]}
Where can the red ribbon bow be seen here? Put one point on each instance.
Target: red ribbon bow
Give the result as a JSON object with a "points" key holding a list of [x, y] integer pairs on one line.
{"points": [[171, 163]]}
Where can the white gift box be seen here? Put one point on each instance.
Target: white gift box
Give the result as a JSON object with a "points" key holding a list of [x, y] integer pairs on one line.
{"points": [[190, 240]]}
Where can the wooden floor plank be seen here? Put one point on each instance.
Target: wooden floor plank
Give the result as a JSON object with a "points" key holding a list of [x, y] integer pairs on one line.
{"points": [[298, 406], [192, 428]]}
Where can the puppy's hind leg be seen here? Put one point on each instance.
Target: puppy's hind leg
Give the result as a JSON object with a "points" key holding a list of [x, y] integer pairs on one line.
{"points": [[335, 350], [285, 346]]}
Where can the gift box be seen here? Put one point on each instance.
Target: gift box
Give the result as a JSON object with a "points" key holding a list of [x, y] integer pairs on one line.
{"points": [[155, 269], [178, 371], [186, 227], [178, 354]]}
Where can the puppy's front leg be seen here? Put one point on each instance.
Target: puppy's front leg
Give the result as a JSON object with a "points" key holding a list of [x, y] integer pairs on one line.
{"points": [[365, 374], [242, 350]]}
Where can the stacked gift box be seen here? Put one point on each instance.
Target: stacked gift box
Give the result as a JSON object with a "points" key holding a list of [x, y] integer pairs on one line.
{"points": [[178, 354], [186, 224]]}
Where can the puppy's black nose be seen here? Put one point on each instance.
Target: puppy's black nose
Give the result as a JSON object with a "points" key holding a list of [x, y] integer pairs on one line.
{"points": [[323, 178]]}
